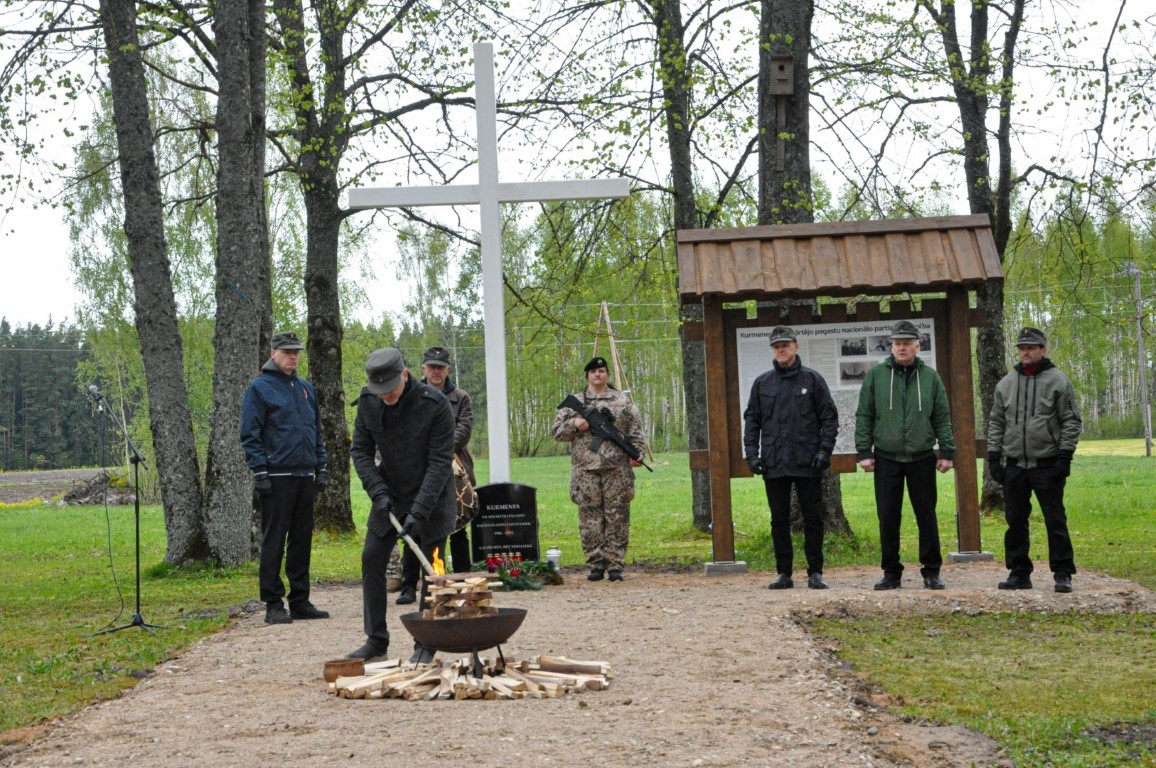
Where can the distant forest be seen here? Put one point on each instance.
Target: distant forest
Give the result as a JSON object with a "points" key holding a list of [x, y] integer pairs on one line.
{"points": [[47, 419]]}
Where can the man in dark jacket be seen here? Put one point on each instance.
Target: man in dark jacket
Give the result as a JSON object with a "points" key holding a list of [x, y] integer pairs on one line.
{"points": [[902, 414], [411, 424], [435, 369], [1035, 424], [789, 432], [281, 437]]}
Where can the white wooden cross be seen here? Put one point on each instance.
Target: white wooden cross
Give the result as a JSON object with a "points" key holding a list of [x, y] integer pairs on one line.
{"points": [[489, 193]]}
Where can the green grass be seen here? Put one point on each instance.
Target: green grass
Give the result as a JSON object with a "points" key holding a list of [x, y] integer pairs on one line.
{"points": [[58, 589], [1035, 682]]}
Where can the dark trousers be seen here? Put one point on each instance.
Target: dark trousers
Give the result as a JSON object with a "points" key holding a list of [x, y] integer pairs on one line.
{"points": [[374, 599], [810, 491], [1049, 489], [919, 477], [460, 551], [411, 566], [286, 531]]}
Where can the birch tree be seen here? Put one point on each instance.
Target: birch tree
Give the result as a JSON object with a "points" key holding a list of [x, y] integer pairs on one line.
{"points": [[154, 304]]}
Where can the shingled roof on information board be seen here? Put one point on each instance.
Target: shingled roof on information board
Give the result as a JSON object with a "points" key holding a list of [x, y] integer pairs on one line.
{"points": [[843, 258]]}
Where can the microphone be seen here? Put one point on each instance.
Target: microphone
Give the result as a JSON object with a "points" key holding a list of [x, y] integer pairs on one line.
{"points": [[94, 393]]}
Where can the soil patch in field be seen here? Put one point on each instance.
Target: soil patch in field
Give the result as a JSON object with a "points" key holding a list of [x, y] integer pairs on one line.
{"points": [[16, 487]]}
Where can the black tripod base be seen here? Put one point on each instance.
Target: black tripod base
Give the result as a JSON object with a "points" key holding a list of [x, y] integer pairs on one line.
{"points": [[137, 621]]}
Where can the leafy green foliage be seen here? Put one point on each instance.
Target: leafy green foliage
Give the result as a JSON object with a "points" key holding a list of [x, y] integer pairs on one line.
{"points": [[1076, 279], [572, 259]]}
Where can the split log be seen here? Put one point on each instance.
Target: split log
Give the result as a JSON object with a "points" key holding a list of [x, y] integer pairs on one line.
{"points": [[563, 664], [456, 679]]}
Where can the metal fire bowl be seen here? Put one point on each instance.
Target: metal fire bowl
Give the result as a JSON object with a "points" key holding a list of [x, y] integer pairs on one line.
{"points": [[461, 635]]}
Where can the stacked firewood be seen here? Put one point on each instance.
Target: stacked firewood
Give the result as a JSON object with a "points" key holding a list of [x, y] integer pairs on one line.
{"points": [[464, 599], [542, 677]]}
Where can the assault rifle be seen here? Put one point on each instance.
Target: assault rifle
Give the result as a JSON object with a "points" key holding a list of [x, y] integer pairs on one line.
{"points": [[602, 425]]}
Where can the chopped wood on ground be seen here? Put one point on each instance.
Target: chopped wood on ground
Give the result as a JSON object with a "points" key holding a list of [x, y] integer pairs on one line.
{"points": [[542, 677]]}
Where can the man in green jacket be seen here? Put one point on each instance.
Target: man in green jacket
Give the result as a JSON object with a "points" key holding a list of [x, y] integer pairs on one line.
{"points": [[1035, 424], [902, 414]]}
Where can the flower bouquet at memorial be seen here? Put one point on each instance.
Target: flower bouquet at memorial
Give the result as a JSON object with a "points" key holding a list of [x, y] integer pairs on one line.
{"points": [[514, 573], [542, 571]]}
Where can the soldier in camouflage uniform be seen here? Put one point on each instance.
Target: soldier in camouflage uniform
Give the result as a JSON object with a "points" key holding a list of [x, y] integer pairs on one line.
{"points": [[602, 481]]}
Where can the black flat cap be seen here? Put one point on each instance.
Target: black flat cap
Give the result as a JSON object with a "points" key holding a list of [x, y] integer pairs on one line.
{"points": [[904, 329], [1031, 337], [383, 370], [285, 340], [436, 356]]}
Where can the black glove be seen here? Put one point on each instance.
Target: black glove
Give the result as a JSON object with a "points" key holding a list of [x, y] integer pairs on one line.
{"points": [[998, 473], [1064, 464], [322, 479], [381, 505], [821, 462], [262, 484], [757, 466], [408, 524]]}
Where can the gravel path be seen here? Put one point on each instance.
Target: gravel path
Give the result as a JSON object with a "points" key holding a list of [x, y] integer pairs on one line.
{"points": [[710, 671]]}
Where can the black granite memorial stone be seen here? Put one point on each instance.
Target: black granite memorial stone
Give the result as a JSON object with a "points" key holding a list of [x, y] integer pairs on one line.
{"points": [[506, 523]]}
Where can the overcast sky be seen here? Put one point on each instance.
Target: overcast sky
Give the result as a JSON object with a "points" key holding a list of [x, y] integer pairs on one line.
{"points": [[37, 283]]}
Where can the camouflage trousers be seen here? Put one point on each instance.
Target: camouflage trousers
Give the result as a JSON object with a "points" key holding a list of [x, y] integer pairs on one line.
{"points": [[603, 499], [393, 570], [394, 566]]}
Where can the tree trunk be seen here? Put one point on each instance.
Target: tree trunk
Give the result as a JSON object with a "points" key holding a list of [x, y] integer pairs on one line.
{"points": [[324, 216], [322, 135], [785, 172], [228, 496], [262, 252], [992, 364], [667, 18], [972, 90], [154, 304], [785, 195]]}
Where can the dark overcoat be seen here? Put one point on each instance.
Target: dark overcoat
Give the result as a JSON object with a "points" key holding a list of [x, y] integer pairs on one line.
{"points": [[790, 417], [415, 438]]}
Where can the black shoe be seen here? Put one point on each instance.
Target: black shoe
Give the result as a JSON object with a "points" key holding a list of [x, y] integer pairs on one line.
{"points": [[369, 651], [815, 581], [783, 582], [307, 610], [616, 575], [275, 613], [596, 574], [1064, 582], [1016, 581], [408, 595], [422, 655], [888, 582], [933, 582]]}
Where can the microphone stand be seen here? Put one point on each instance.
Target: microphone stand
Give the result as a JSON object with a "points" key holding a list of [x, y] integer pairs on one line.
{"points": [[136, 459]]}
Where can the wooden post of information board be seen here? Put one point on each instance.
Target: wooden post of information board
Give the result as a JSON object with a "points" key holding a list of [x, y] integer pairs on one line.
{"points": [[722, 532], [959, 395]]}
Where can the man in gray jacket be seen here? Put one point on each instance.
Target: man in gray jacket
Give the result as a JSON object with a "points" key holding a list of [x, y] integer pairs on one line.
{"points": [[1035, 425], [412, 425]]}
